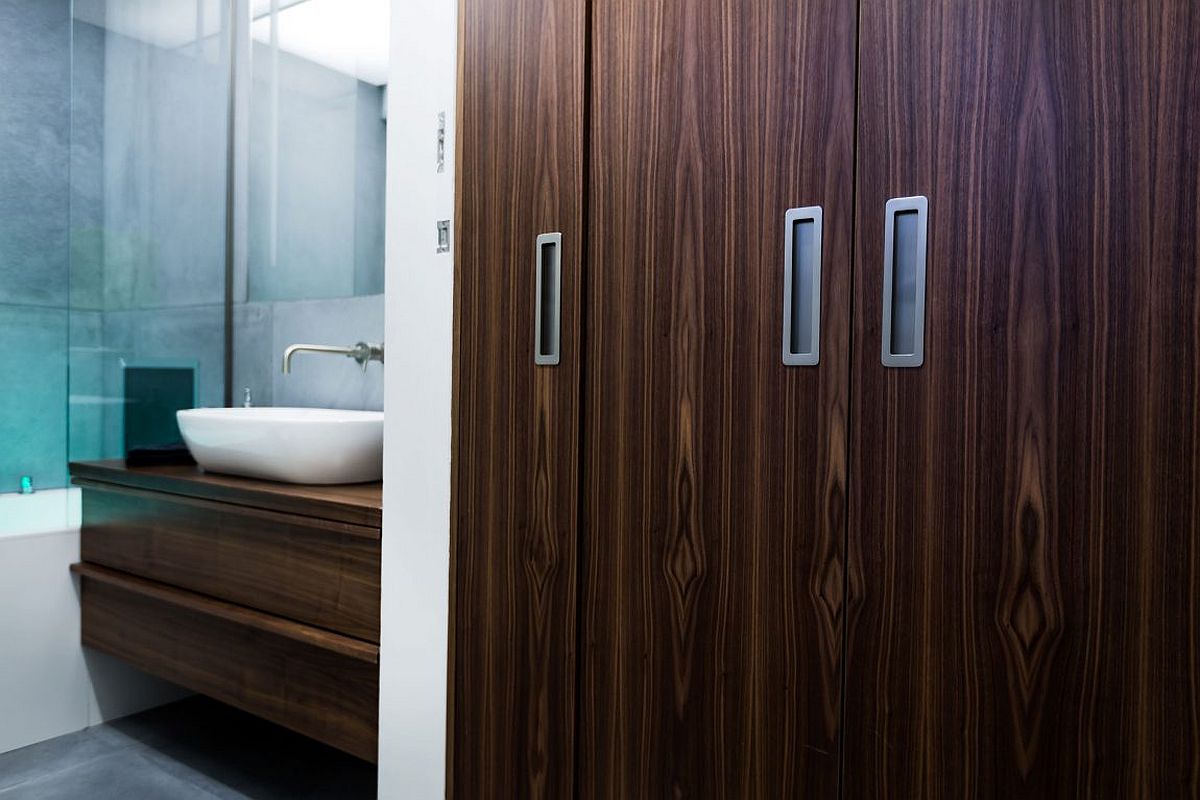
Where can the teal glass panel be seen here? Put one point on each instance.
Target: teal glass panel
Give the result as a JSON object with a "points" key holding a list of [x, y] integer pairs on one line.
{"points": [[33, 395], [34, 170], [150, 90]]}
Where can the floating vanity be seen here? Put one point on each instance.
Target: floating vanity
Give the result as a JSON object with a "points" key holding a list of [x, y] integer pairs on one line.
{"points": [[262, 595]]}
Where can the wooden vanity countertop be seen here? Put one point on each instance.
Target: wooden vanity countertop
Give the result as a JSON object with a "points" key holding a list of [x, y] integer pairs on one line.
{"points": [[357, 503]]}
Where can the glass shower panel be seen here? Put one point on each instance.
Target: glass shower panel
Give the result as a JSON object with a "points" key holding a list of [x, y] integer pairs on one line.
{"points": [[34, 293], [149, 128], [316, 148]]}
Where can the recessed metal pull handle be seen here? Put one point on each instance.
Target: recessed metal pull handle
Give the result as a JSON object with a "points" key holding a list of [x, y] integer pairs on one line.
{"points": [[802, 286], [906, 221], [547, 333]]}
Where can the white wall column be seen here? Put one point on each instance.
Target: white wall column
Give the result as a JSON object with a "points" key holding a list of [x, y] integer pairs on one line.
{"points": [[417, 397]]}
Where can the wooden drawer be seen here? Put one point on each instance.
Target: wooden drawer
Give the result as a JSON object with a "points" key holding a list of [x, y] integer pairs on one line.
{"points": [[316, 571], [317, 683]]}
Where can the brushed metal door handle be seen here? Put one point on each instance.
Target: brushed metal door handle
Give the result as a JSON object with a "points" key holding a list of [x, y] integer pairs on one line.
{"points": [[547, 316], [905, 239], [802, 286]]}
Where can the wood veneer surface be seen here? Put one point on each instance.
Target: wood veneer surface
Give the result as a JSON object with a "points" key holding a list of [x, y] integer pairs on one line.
{"points": [[715, 477], [317, 683], [316, 571], [1025, 507], [360, 504], [516, 426]]}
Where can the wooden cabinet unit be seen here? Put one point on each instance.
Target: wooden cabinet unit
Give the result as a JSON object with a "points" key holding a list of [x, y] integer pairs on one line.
{"points": [[863, 458], [261, 595]]}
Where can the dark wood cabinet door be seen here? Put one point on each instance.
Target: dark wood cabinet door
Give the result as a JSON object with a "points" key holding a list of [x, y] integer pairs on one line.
{"points": [[715, 477], [1024, 553], [516, 425]]}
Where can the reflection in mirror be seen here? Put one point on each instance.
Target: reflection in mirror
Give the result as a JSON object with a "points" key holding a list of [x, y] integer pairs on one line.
{"points": [[315, 163]]}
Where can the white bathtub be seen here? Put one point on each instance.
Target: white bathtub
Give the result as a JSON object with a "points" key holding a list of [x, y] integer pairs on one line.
{"points": [[47, 511]]}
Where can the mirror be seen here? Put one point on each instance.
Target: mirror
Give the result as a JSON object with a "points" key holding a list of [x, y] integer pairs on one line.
{"points": [[316, 148]]}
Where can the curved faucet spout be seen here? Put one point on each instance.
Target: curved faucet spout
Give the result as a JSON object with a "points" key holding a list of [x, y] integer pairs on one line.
{"points": [[363, 353]]}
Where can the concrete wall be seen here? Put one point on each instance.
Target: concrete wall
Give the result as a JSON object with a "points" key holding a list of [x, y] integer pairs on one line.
{"points": [[416, 517], [263, 330]]}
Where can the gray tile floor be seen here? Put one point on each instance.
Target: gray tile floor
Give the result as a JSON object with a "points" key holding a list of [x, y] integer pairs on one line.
{"points": [[196, 749]]}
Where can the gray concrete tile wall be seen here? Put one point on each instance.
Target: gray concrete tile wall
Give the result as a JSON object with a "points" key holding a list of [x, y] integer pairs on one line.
{"points": [[34, 137], [264, 330]]}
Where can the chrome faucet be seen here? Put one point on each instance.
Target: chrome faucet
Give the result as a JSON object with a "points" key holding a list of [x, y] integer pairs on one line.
{"points": [[363, 353]]}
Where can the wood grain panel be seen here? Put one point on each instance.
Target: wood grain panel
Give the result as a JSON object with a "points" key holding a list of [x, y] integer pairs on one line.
{"points": [[319, 572], [356, 503], [715, 476], [516, 426], [1024, 549], [315, 682]]}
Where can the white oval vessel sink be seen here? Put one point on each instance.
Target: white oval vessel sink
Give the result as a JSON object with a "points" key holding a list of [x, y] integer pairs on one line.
{"points": [[293, 445]]}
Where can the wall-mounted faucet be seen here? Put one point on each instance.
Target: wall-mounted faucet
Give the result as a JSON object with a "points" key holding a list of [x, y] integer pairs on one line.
{"points": [[363, 353]]}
